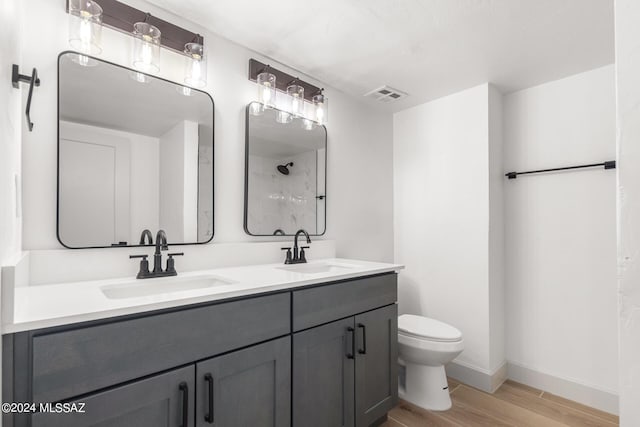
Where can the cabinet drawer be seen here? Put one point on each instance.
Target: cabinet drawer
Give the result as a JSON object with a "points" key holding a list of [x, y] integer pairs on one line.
{"points": [[323, 304], [74, 362]]}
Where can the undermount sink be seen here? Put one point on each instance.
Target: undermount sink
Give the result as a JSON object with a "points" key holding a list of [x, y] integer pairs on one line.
{"points": [[148, 287], [315, 268]]}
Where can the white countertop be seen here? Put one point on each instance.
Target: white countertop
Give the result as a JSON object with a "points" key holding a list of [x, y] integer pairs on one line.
{"points": [[58, 304]]}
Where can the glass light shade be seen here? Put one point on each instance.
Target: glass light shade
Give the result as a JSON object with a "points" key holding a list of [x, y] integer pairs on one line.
{"points": [[284, 117], [85, 29], [321, 105], [195, 73], [296, 95], [267, 89], [146, 48]]}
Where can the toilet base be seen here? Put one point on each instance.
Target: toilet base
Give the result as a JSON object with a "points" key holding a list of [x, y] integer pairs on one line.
{"points": [[427, 387]]}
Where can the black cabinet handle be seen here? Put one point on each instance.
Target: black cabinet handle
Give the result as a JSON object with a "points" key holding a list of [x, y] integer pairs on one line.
{"points": [[350, 330], [363, 350], [184, 388], [209, 379]]}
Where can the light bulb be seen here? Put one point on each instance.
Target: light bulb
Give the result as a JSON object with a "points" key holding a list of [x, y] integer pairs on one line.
{"points": [[266, 94], [296, 94], [195, 72], [85, 30], [320, 113], [146, 47], [266, 89], [321, 106], [85, 34], [146, 54]]}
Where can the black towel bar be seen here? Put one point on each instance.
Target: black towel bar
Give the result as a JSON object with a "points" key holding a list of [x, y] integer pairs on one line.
{"points": [[610, 164]]}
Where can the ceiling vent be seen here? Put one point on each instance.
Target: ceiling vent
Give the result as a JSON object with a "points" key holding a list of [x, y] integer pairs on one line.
{"points": [[386, 94]]}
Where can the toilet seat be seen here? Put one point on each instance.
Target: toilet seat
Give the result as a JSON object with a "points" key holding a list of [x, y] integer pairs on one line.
{"points": [[425, 328]]}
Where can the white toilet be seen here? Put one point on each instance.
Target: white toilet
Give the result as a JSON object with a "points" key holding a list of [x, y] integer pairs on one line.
{"points": [[425, 346]]}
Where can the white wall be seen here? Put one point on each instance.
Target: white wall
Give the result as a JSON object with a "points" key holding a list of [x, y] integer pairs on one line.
{"points": [[560, 231], [441, 217], [628, 146], [359, 141], [11, 127], [178, 161], [497, 337]]}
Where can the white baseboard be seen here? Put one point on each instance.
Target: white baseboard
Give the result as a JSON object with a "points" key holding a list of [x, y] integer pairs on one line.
{"points": [[581, 393], [490, 381], [475, 377]]}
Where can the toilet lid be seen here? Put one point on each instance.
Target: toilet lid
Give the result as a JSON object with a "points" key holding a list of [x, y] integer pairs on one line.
{"points": [[424, 327]]}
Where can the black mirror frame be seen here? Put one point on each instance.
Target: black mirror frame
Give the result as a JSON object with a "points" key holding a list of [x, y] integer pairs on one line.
{"points": [[246, 181], [58, 158]]}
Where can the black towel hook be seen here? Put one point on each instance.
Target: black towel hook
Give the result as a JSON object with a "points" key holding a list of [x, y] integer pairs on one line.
{"points": [[33, 80]]}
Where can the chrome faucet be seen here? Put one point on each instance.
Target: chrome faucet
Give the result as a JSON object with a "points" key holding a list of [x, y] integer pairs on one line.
{"points": [[161, 245], [297, 257]]}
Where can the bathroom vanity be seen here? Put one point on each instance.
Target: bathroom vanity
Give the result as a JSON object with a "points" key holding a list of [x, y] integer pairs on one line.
{"points": [[315, 349]]}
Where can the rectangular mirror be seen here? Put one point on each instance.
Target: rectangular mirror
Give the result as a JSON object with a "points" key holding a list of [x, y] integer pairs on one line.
{"points": [[135, 153], [285, 174]]}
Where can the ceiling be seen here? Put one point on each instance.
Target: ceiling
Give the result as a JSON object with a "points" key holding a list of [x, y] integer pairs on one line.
{"points": [[428, 48], [106, 95]]}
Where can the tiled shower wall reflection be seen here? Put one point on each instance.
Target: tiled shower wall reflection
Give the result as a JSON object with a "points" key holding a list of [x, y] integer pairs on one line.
{"points": [[286, 202]]}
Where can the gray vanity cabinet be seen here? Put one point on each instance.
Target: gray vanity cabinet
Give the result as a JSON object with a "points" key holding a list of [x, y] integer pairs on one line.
{"points": [[345, 371], [323, 376], [376, 364], [246, 388], [165, 400], [322, 355]]}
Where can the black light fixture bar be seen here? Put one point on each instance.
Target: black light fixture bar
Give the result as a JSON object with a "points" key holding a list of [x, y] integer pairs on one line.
{"points": [[611, 164], [121, 17], [282, 79]]}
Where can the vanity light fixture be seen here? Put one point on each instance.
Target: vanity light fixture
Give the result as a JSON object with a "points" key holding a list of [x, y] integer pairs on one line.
{"points": [[302, 99], [295, 98], [321, 106], [146, 48], [85, 29], [195, 63], [266, 88]]}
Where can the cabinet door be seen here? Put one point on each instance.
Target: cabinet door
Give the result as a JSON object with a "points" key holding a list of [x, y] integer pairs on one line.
{"points": [[246, 388], [323, 376], [376, 364], [165, 400]]}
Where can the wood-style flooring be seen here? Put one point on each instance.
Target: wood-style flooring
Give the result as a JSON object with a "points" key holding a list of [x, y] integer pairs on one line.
{"points": [[512, 404]]}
